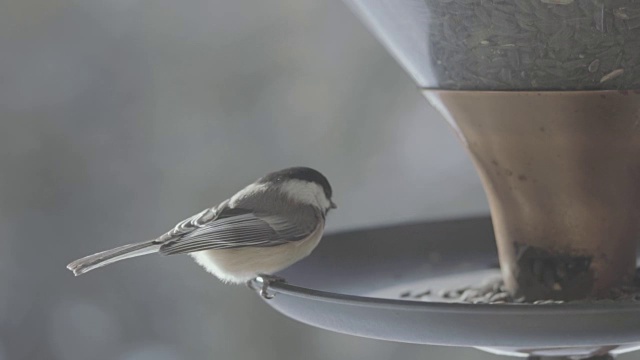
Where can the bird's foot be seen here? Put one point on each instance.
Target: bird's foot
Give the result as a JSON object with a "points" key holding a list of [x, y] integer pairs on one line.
{"points": [[266, 281], [250, 285]]}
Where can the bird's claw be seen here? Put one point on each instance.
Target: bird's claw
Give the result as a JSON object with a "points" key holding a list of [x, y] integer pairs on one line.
{"points": [[266, 281], [250, 285]]}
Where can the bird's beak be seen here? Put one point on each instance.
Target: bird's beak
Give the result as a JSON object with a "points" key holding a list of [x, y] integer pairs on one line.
{"points": [[333, 205]]}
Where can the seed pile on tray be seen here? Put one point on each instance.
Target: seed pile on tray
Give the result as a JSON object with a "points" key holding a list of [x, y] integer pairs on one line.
{"points": [[493, 291], [535, 44]]}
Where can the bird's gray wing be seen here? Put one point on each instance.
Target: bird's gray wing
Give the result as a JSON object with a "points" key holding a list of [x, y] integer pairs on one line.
{"points": [[236, 227]]}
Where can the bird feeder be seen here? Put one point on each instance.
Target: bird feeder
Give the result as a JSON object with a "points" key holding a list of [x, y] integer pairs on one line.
{"points": [[545, 97]]}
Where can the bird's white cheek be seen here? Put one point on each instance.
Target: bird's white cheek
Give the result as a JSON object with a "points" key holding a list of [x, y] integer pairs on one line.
{"points": [[323, 202], [305, 193]]}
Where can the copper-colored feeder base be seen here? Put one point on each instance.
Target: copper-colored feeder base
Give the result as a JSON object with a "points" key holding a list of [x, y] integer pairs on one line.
{"points": [[561, 171]]}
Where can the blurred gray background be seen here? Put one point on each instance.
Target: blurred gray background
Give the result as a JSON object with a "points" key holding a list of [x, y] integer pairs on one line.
{"points": [[122, 117]]}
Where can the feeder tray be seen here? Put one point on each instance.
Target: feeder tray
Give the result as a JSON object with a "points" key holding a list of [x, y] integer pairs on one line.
{"points": [[353, 283]]}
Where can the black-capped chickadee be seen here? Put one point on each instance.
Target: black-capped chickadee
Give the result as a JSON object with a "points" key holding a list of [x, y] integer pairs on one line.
{"points": [[264, 228]]}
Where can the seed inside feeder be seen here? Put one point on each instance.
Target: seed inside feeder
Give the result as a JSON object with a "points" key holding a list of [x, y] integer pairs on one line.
{"points": [[534, 44]]}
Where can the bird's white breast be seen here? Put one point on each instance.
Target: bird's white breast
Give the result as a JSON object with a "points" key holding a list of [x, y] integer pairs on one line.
{"points": [[243, 264]]}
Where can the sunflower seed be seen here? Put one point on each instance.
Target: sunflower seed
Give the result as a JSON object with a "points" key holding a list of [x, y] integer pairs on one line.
{"points": [[557, 2], [612, 75]]}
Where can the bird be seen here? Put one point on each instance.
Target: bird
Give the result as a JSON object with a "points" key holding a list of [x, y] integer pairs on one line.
{"points": [[264, 228]]}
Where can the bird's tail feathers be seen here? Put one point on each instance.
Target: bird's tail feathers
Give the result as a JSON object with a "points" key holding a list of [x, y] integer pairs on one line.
{"points": [[103, 258]]}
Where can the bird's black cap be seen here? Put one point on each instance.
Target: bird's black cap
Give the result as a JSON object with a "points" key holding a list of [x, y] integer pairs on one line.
{"points": [[299, 173]]}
